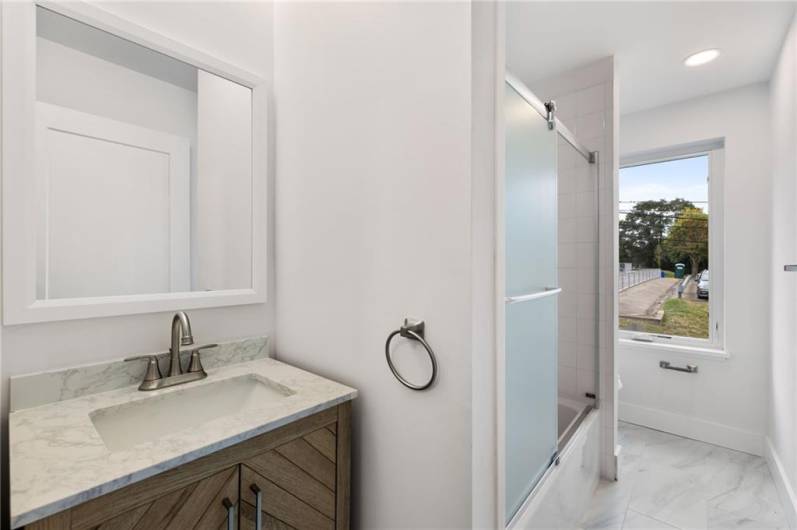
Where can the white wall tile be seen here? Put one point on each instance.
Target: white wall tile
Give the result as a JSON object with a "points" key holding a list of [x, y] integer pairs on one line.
{"points": [[586, 305], [586, 331], [591, 91], [568, 381], [590, 125], [567, 205], [585, 229], [568, 230], [568, 353], [586, 382], [567, 255], [592, 99], [585, 357], [585, 203]]}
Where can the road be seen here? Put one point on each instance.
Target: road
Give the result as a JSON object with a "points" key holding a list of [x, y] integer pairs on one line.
{"points": [[644, 300]]}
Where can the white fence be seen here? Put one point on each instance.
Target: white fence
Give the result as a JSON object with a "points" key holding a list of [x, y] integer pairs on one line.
{"points": [[631, 278]]}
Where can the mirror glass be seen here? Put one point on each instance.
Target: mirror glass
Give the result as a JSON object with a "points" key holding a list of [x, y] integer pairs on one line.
{"points": [[143, 169]]}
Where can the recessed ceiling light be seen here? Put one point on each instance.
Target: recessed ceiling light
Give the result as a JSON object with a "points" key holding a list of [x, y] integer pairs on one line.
{"points": [[700, 58]]}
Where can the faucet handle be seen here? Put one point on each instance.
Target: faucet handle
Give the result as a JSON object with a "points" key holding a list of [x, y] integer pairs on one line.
{"points": [[153, 368], [195, 363]]}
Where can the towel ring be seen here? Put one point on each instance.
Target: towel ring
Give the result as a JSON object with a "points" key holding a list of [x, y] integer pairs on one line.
{"points": [[413, 331]]}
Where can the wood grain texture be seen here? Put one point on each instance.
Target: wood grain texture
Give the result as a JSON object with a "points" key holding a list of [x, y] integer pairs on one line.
{"points": [[124, 521], [163, 510], [269, 522], [204, 508], [287, 508], [343, 450], [324, 442], [293, 479], [90, 514], [198, 506], [311, 460], [59, 521]]}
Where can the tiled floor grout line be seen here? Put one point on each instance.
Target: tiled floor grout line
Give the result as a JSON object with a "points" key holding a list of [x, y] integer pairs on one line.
{"points": [[725, 488]]}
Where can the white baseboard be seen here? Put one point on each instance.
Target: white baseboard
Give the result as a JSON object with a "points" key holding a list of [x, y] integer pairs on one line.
{"points": [[695, 428], [785, 490]]}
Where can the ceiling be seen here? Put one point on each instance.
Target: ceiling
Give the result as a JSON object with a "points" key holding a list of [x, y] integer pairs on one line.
{"points": [[649, 41]]}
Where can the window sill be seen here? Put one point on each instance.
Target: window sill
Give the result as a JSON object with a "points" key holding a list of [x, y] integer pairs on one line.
{"points": [[681, 349]]}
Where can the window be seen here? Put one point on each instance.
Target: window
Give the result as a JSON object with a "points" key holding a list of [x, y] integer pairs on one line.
{"points": [[670, 226]]}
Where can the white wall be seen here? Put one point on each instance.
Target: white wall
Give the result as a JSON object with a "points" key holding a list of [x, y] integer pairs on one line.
{"points": [[81, 81], [241, 34], [222, 216], [725, 403], [587, 105], [782, 431], [374, 224]]}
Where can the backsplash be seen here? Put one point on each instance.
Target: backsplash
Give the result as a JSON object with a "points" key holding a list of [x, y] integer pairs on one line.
{"points": [[32, 390]]}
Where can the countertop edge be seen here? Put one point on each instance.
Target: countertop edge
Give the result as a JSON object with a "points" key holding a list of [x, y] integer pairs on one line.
{"points": [[36, 514]]}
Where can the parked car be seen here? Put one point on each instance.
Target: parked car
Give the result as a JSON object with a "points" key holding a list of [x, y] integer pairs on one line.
{"points": [[702, 285]]}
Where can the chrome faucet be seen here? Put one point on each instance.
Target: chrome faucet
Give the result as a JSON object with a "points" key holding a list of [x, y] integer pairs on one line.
{"points": [[181, 336]]}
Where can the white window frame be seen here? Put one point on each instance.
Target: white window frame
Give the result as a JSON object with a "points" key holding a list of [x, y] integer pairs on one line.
{"points": [[714, 345]]}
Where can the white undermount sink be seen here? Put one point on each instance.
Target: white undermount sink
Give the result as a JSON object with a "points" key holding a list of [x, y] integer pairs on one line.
{"points": [[124, 426]]}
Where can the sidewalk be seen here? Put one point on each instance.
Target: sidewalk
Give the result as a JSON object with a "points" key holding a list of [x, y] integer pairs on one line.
{"points": [[644, 300]]}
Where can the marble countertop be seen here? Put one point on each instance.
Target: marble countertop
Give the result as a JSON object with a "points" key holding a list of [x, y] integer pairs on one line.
{"points": [[58, 459]]}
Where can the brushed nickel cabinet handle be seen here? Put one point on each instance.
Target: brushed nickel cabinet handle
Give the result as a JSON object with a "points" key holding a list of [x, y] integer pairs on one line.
{"points": [[230, 513], [258, 506]]}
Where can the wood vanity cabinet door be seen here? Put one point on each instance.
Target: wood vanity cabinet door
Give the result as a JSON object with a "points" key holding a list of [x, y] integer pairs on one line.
{"points": [[297, 481], [198, 506]]}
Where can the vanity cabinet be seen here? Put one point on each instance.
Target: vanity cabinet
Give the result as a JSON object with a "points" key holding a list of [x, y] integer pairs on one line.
{"points": [[300, 472]]}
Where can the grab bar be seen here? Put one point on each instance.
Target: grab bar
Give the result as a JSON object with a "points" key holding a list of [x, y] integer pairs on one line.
{"points": [[549, 291], [689, 368]]}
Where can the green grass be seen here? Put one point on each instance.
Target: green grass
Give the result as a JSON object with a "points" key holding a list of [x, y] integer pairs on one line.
{"points": [[683, 318], [669, 274]]}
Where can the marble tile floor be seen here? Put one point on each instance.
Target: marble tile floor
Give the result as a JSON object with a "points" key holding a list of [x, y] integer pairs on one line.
{"points": [[667, 481]]}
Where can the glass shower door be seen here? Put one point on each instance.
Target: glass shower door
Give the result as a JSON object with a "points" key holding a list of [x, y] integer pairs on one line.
{"points": [[531, 301]]}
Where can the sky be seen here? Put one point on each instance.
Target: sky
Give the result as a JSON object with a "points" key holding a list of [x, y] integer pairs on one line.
{"points": [[674, 179]]}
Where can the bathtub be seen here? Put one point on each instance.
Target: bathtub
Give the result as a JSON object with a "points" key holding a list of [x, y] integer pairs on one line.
{"points": [[570, 414], [564, 493]]}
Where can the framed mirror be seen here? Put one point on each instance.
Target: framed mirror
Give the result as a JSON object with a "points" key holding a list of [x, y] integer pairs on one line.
{"points": [[134, 170]]}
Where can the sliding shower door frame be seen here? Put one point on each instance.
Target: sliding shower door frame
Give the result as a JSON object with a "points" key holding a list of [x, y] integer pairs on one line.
{"points": [[547, 112]]}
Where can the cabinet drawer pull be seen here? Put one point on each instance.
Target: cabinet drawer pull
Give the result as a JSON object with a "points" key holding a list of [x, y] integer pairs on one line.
{"points": [[230, 513], [258, 506]]}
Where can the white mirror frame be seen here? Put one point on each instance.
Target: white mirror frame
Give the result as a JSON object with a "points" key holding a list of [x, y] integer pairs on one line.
{"points": [[18, 151]]}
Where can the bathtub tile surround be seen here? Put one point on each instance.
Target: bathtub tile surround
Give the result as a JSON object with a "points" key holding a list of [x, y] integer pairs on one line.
{"points": [[59, 460], [587, 103], [36, 389], [577, 248], [674, 482]]}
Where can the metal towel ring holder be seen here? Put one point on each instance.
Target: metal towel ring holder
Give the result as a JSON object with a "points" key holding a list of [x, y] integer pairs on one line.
{"points": [[413, 331]]}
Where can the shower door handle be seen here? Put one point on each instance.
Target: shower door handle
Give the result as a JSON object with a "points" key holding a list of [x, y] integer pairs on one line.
{"points": [[548, 291]]}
